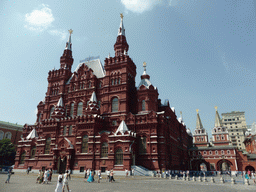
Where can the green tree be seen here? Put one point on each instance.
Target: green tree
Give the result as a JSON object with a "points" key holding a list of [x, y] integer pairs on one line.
{"points": [[7, 152]]}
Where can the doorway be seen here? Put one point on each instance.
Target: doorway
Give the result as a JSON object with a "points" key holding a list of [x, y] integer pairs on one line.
{"points": [[62, 163]]}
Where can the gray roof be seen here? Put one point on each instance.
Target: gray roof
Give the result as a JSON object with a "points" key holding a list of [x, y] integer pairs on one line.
{"points": [[95, 65], [145, 82], [251, 156]]}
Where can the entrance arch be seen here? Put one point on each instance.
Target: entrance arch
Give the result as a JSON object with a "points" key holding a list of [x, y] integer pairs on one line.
{"points": [[200, 165], [224, 165], [249, 167]]}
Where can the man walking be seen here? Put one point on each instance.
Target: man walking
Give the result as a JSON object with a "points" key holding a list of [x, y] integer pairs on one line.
{"points": [[8, 176]]}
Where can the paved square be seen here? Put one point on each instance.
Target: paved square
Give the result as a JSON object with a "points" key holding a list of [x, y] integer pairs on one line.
{"points": [[21, 182]]}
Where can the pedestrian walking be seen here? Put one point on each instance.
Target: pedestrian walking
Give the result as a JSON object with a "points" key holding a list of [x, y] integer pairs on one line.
{"points": [[59, 185], [8, 176], [253, 177], [65, 181], [133, 172], [46, 177], [108, 175], [85, 174], [38, 177], [69, 175], [111, 176], [126, 172], [99, 176], [90, 179], [50, 175]]}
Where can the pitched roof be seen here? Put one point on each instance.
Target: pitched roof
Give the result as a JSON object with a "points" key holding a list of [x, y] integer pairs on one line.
{"points": [[217, 119], [95, 65], [93, 97], [145, 82], [122, 128], [199, 124], [32, 134], [60, 102]]}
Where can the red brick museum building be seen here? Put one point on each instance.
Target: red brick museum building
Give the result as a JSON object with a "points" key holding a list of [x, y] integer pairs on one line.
{"points": [[96, 117]]}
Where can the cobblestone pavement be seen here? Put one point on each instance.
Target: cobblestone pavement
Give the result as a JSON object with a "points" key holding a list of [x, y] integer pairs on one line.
{"points": [[21, 182]]}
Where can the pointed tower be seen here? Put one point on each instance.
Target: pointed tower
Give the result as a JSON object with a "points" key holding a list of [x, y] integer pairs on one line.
{"points": [[219, 133], [59, 110], [119, 80], [66, 60], [121, 47], [93, 105], [200, 136], [147, 93]]}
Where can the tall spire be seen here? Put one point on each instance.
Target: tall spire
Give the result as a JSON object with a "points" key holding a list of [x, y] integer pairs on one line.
{"points": [[69, 44], [121, 47], [217, 118], [199, 124], [145, 75], [121, 30], [66, 60]]}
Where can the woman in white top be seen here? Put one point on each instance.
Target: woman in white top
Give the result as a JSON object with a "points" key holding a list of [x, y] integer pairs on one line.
{"points": [[65, 181], [59, 183]]}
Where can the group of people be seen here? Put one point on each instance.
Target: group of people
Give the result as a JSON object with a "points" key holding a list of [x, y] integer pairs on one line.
{"points": [[44, 176], [91, 173], [62, 181]]}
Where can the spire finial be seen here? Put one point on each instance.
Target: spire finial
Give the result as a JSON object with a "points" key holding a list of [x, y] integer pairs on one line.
{"points": [[70, 31], [121, 15], [216, 108], [197, 111], [145, 66]]}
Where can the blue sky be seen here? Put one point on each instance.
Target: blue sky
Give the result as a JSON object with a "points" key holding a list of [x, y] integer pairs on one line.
{"points": [[199, 54]]}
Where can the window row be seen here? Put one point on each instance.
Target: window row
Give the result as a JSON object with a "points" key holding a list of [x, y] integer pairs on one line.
{"points": [[116, 81], [211, 153], [7, 135]]}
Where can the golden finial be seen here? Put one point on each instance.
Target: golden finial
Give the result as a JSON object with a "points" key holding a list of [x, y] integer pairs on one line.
{"points": [[144, 64], [121, 15], [216, 108], [197, 110], [70, 31]]}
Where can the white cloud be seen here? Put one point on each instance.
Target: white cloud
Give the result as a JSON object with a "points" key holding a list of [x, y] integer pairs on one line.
{"points": [[39, 19], [140, 6], [61, 34]]}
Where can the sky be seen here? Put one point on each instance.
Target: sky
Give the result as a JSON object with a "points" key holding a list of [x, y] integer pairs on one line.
{"points": [[199, 53]]}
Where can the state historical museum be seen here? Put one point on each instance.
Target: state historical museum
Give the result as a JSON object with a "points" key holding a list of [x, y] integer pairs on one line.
{"points": [[96, 118]]}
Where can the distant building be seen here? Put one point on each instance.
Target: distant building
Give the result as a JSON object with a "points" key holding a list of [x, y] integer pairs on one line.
{"points": [[10, 131], [236, 126], [217, 155]]}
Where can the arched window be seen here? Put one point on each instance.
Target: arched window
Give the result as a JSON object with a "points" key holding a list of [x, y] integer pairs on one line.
{"points": [[8, 135], [51, 112], [143, 105], [119, 80], [80, 108], [47, 145], [1, 135], [100, 84], [70, 130], [39, 117], [33, 152], [72, 109], [85, 144], [115, 104], [112, 82], [104, 149], [90, 84], [142, 145], [99, 104], [216, 152], [65, 130], [22, 157], [115, 81], [119, 157]]}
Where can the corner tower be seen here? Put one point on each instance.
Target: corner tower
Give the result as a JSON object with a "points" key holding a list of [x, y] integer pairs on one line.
{"points": [[200, 137], [119, 82]]}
